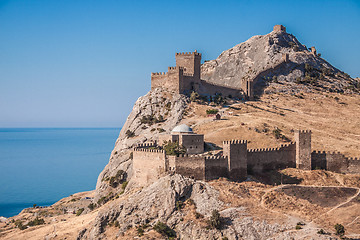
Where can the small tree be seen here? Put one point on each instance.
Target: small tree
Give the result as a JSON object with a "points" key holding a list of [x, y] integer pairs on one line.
{"points": [[92, 206], [211, 111], [129, 133], [340, 229], [277, 133], [194, 96], [79, 211], [174, 148], [164, 230], [215, 219]]}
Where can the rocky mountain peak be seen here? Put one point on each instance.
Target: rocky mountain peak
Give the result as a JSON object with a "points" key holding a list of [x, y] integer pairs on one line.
{"points": [[275, 57]]}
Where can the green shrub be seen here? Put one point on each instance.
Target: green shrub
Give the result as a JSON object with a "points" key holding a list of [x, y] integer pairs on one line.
{"points": [[124, 185], [164, 230], [218, 99], [321, 231], [101, 200], [36, 221], [215, 220], [298, 227], [119, 178], [198, 215], [116, 224], [340, 229], [168, 106], [140, 231], [174, 148], [19, 224], [79, 211], [194, 96], [131, 156], [92, 206], [179, 205], [161, 130], [212, 111], [277, 133], [129, 134]]}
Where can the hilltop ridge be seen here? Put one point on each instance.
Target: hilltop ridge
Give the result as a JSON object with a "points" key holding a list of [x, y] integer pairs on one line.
{"points": [[259, 59]]}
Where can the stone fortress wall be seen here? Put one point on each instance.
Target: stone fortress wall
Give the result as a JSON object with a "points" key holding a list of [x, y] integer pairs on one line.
{"points": [[185, 77], [262, 160], [236, 160], [148, 164], [335, 162]]}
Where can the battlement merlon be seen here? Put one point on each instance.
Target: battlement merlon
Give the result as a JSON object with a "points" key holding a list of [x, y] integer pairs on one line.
{"points": [[235, 142], [176, 68], [195, 53], [158, 73]]}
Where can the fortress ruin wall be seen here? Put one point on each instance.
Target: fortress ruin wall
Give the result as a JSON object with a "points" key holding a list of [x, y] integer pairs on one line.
{"points": [[261, 160], [215, 167], [149, 164], [190, 166]]}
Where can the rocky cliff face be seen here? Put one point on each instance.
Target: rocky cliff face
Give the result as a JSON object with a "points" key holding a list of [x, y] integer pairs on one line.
{"points": [[185, 206], [260, 59], [155, 113]]}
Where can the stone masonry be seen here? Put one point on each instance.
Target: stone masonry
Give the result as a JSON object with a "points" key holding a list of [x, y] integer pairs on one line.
{"points": [[235, 161]]}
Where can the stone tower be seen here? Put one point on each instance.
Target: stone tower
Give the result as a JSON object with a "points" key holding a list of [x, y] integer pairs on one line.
{"points": [[191, 61], [303, 149], [236, 153], [279, 28]]}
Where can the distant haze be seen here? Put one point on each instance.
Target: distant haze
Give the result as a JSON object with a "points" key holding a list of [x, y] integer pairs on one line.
{"points": [[84, 63]]}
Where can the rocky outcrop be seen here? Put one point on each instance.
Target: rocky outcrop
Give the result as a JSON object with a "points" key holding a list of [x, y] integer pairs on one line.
{"points": [[155, 113], [260, 58], [159, 202]]}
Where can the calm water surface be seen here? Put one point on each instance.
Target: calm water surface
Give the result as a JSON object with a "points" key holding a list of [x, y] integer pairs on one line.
{"points": [[43, 165]]}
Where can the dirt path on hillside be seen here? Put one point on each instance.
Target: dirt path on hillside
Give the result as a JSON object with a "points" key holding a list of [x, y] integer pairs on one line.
{"points": [[310, 227]]}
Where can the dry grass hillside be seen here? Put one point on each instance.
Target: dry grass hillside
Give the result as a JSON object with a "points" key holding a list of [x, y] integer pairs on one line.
{"points": [[332, 118]]}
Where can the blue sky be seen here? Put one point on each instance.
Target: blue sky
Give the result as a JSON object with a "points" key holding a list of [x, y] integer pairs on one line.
{"points": [[84, 63]]}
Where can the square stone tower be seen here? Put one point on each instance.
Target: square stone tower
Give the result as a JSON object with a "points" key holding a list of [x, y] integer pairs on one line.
{"points": [[303, 149], [191, 62], [279, 28], [236, 153]]}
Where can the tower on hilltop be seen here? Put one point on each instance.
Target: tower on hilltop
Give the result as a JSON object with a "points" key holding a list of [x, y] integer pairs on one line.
{"points": [[183, 78], [191, 63], [279, 28]]}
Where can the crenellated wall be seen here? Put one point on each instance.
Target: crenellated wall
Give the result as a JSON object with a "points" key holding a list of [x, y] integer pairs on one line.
{"points": [[235, 161], [148, 164], [215, 167], [353, 165], [335, 162], [318, 160], [158, 79], [190, 166], [261, 160]]}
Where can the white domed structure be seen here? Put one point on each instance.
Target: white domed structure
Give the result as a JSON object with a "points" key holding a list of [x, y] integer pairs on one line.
{"points": [[183, 128]]}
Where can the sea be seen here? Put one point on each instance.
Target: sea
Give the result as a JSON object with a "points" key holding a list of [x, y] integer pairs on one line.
{"points": [[42, 165]]}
